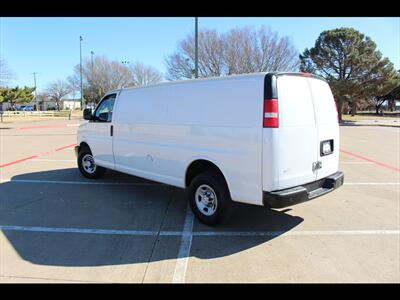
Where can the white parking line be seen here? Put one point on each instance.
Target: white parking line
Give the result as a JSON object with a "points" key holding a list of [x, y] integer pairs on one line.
{"points": [[184, 248], [79, 230], [45, 278], [187, 234], [372, 183], [77, 182], [139, 184], [297, 233], [53, 160], [357, 162]]}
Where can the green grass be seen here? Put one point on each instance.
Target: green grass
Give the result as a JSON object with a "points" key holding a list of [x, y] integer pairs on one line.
{"points": [[368, 117]]}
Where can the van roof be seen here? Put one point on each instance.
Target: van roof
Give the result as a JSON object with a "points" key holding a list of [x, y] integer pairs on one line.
{"points": [[230, 77]]}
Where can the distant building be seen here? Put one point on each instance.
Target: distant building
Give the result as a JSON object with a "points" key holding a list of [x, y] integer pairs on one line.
{"points": [[65, 104], [4, 106], [71, 104]]}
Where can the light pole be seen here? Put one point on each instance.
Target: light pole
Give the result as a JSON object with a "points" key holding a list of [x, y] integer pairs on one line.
{"points": [[92, 85], [126, 62], [196, 49], [34, 80], [80, 67]]}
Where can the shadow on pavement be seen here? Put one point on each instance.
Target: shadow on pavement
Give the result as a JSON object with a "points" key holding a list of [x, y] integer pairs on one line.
{"points": [[117, 207]]}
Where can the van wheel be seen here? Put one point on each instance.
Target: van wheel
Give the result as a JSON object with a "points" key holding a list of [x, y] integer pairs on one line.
{"points": [[87, 166], [209, 198]]}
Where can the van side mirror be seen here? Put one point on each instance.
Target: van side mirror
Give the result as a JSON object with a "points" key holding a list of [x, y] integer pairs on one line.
{"points": [[87, 114]]}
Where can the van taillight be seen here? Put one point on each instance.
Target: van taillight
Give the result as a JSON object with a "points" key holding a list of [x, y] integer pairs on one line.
{"points": [[271, 117]]}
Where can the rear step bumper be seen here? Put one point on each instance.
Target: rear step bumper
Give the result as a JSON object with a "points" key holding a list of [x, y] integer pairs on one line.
{"points": [[302, 193]]}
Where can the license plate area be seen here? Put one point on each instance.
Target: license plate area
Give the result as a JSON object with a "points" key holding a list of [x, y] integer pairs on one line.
{"points": [[326, 147]]}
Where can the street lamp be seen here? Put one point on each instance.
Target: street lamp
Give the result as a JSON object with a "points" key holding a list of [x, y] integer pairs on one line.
{"points": [[92, 85], [196, 49], [80, 64], [34, 80]]}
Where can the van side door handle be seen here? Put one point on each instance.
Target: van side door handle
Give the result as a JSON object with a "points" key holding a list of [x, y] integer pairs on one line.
{"points": [[111, 130]]}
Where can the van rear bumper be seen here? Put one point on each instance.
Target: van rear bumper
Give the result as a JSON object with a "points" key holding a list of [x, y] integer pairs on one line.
{"points": [[302, 193]]}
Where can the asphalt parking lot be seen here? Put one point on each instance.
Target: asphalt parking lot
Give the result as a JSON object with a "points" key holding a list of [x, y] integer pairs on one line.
{"points": [[57, 226]]}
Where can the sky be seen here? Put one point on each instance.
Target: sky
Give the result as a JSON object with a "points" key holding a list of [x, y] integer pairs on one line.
{"points": [[50, 46]]}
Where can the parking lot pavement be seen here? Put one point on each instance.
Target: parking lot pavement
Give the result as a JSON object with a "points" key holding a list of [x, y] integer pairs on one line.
{"points": [[57, 226]]}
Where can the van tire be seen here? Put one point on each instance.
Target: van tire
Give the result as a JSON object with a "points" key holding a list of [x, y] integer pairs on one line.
{"points": [[213, 184], [98, 171]]}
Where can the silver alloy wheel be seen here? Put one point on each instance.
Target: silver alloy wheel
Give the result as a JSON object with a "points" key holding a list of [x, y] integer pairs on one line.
{"points": [[206, 200], [88, 164]]}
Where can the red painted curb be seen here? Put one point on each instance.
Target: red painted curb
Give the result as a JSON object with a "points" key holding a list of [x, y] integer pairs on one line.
{"points": [[370, 160]]}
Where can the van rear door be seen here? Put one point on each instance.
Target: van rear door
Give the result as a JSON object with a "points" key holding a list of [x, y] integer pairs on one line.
{"points": [[301, 131], [327, 127], [298, 136]]}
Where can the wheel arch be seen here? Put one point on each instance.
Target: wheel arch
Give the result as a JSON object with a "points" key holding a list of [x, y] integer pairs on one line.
{"points": [[83, 145], [202, 165]]}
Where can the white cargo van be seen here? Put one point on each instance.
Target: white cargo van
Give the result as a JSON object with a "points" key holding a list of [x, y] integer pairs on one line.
{"points": [[267, 139]]}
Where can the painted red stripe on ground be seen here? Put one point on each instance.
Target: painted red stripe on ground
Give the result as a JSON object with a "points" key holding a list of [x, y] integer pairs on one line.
{"points": [[65, 147], [370, 160], [35, 156], [18, 161], [42, 126]]}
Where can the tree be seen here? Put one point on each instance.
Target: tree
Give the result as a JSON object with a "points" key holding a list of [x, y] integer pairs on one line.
{"points": [[104, 75], [244, 50], [74, 85], [144, 75], [181, 63], [392, 94], [349, 61], [41, 99], [16, 95], [57, 90], [5, 73], [389, 92], [248, 50]]}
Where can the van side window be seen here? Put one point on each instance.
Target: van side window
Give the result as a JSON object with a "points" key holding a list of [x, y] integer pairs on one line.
{"points": [[104, 111]]}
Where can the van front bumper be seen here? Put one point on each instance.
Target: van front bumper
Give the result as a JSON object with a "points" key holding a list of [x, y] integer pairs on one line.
{"points": [[302, 193]]}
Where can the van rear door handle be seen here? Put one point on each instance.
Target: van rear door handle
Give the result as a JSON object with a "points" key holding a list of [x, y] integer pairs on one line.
{"points": [[111, 130], [316, 165]]}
